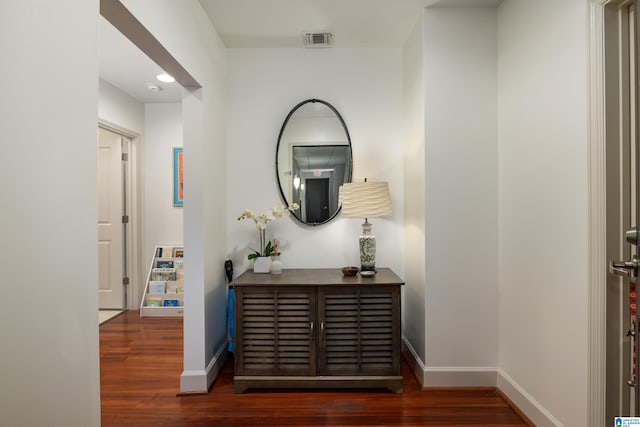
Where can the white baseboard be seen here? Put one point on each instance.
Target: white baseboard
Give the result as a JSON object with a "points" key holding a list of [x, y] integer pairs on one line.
{"points": [[457, 376], [525, 402], [192, 382], [448, 376], [460, 376], [416, 365], [479, 377]]}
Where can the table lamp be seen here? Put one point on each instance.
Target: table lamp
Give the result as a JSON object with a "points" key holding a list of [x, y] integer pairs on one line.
{"points": [[366, 200]]}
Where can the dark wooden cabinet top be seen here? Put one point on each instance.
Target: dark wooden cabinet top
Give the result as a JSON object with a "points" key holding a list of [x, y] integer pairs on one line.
{"points": [[316, 277]]}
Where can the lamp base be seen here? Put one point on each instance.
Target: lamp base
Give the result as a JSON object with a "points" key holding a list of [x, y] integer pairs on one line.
{"points": [[367, 248]]}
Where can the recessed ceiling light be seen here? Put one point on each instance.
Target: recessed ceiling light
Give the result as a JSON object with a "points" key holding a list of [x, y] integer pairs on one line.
{"points": [[153, 87], [164, 77]]}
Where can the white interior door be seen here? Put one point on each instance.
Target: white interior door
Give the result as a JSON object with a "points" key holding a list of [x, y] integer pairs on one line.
{"points": [[110, 221], [623, 177]]}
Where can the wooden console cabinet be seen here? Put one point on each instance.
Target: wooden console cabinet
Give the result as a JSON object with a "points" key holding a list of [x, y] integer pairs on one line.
{"points": [[315, 328]]}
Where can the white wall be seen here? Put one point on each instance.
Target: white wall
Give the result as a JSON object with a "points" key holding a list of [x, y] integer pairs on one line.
{"points": [[163, 222], [461, 217], [543, 208], [49, 334], [185, 31], [365, 86], [118, 108], [414, 193]]}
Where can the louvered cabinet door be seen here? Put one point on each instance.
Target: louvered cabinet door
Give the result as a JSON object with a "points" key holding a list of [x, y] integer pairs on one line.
{"points": [[275, 331], [359, 330]]}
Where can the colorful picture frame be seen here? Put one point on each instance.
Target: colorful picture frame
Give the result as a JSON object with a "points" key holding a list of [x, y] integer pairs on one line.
{"points": [[178, 187]]}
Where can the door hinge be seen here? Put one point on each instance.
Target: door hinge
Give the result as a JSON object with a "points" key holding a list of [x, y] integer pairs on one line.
{"points": [[125, 157], [125, 280], [125, 219]]}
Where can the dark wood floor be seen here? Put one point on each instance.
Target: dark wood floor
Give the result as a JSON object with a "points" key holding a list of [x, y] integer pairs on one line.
{"points": [[141, 361]]}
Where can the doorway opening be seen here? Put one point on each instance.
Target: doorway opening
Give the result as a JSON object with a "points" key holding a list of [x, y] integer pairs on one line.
{"points": [[149, 122], [317, 200]]}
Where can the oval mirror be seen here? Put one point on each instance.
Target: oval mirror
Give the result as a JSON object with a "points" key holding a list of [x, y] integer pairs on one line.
{"points": [[313, 159]]}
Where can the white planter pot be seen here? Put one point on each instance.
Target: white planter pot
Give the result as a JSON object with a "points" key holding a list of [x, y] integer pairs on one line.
{"points": [[261, 264]]}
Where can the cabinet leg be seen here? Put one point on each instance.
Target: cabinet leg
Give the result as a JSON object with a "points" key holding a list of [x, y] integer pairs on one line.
{"points": [[396, 388], [239, 388]]}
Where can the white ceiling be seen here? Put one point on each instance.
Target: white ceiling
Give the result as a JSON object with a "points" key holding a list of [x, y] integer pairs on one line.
{"points": [[125, 66], [272, 24], [354, 23]]}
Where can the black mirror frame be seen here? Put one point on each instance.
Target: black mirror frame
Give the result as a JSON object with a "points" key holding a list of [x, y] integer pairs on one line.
{"points": [[346, 131]]}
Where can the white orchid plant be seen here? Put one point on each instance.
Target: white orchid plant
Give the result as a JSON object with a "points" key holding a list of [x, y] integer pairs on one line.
{"points": [[277, 212]]}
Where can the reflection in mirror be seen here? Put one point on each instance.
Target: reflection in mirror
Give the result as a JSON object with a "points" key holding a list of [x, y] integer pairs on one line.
{"points": [[313, 160]]}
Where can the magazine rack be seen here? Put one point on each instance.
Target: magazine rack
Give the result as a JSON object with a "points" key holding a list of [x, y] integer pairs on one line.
{"points": [[164, 291]]}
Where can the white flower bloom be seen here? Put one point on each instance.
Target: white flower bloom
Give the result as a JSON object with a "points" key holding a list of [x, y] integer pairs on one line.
{"points": [[246, 214], [261, 221], [277, 212]]}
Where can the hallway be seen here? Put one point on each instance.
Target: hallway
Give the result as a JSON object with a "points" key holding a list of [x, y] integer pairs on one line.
{"points": [[141, 362]]}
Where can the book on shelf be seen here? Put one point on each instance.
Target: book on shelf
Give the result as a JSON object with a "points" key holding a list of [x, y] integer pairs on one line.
{"points": [[174, 287], [170, 303], [164, 252], [157, 287], [165, 263], [178, 252], [153, 302], [164, 274]]}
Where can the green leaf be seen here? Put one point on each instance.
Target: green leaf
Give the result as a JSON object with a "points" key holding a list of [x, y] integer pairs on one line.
{"points": [[253, 255]]}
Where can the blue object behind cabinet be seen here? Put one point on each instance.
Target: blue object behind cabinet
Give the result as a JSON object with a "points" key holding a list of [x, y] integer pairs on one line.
{"points": [[230, 320]]}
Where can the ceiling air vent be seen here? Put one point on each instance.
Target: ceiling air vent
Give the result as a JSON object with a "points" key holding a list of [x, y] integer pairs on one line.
{"points": [[318, 39]]}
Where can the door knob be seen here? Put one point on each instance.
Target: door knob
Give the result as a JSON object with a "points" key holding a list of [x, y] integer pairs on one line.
{"points": [[624, 268], [631, 236]]}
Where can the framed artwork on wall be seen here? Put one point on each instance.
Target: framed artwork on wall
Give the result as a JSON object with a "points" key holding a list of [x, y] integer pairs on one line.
{"points": [[178, 189]]}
